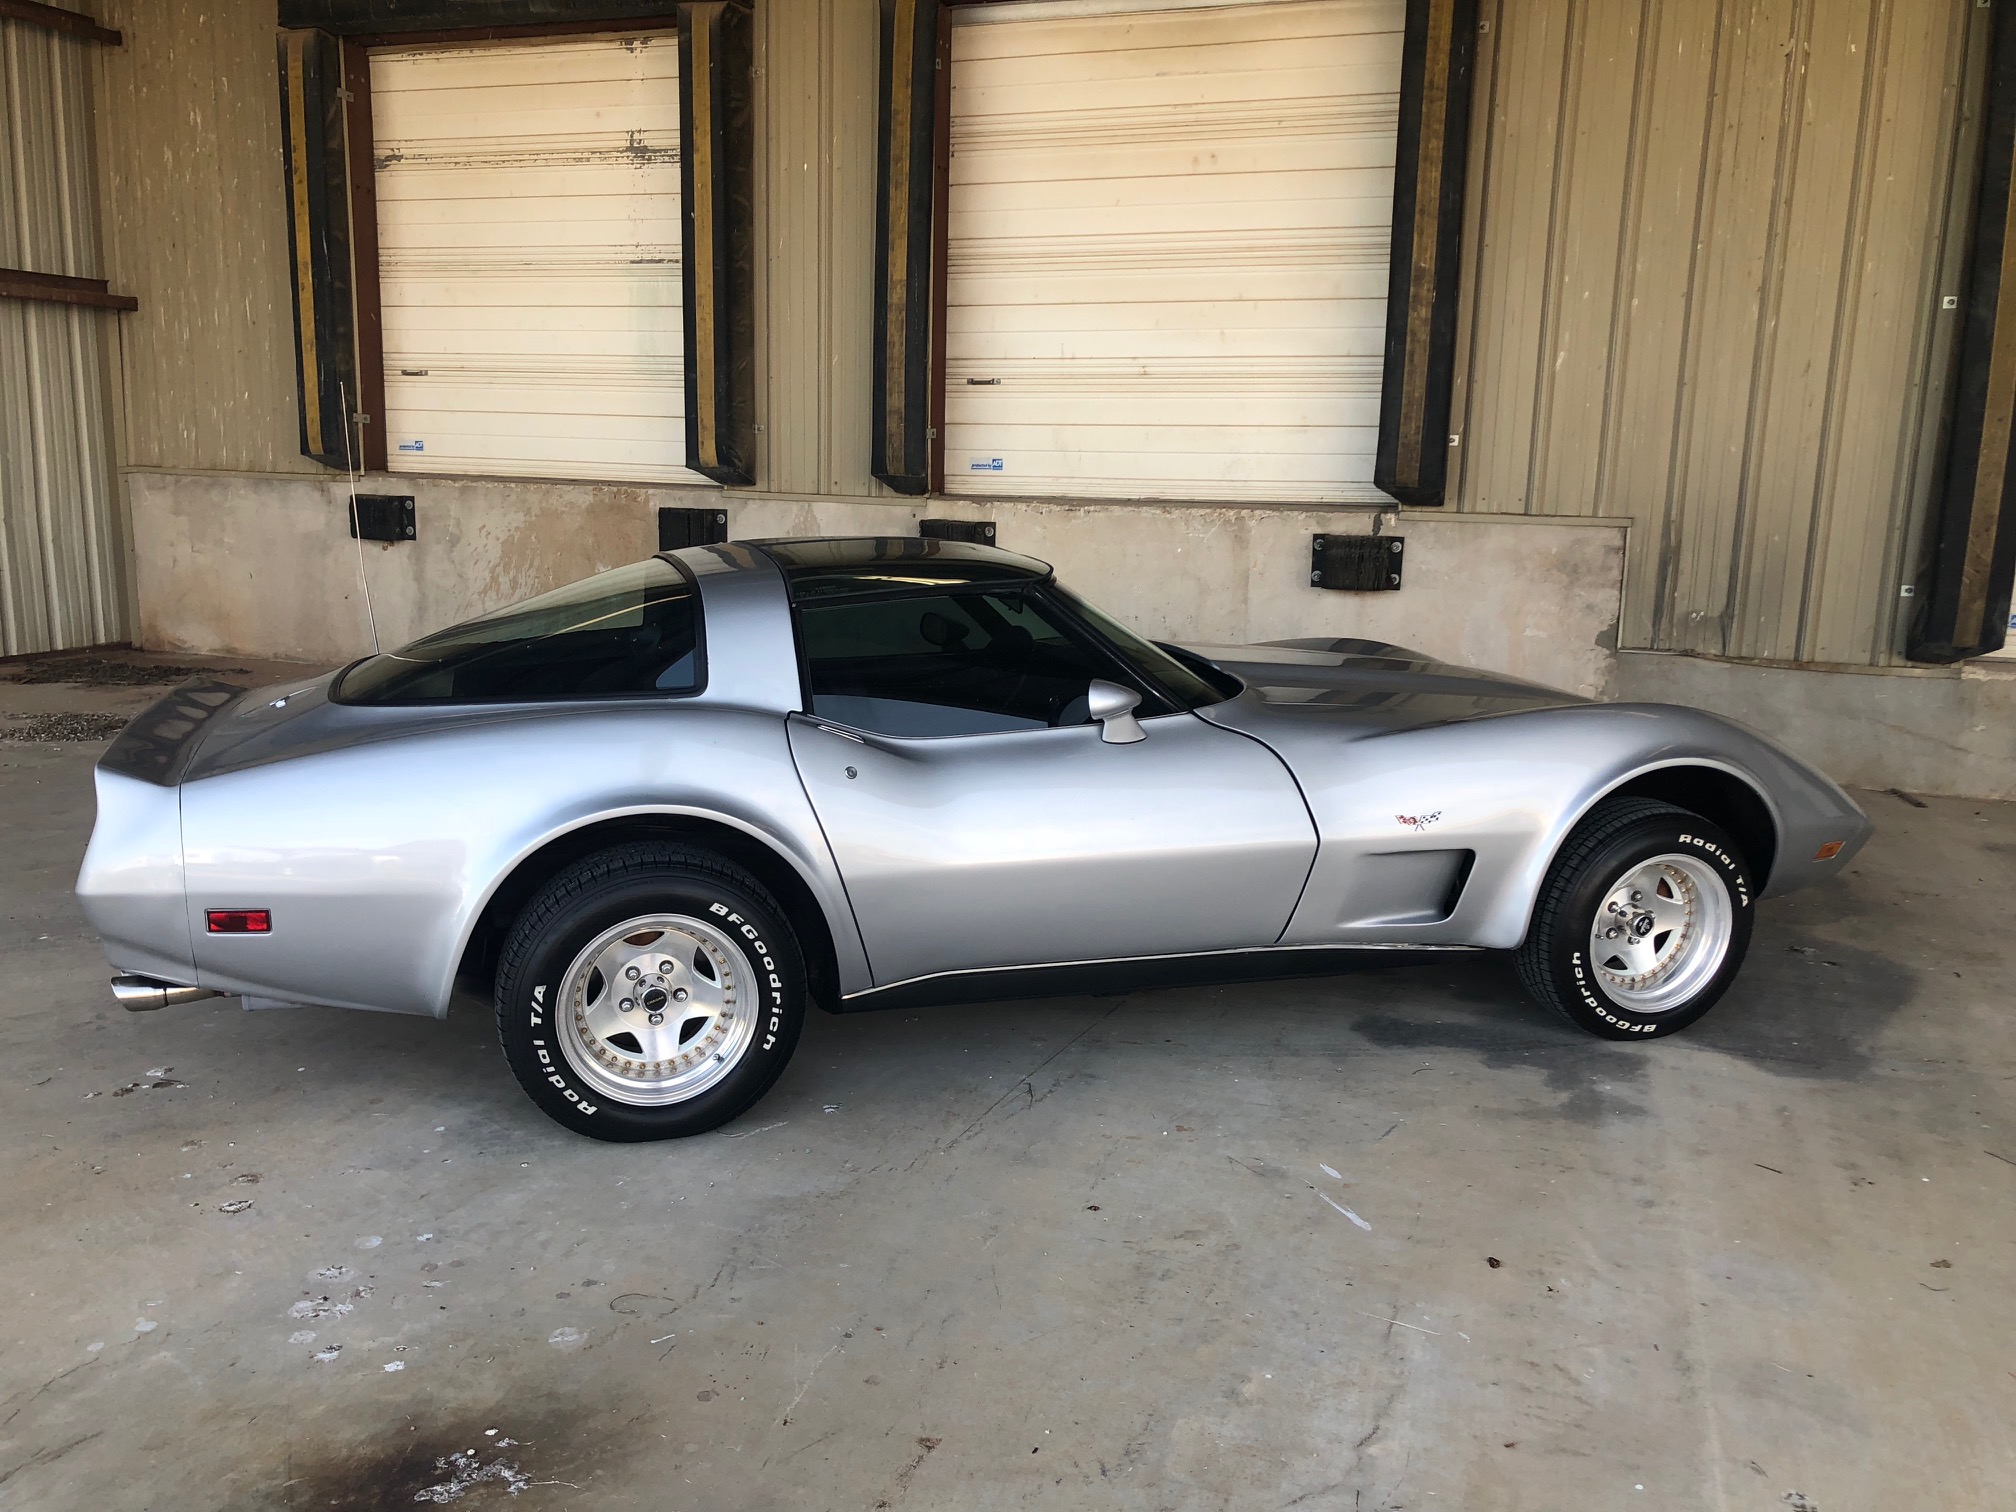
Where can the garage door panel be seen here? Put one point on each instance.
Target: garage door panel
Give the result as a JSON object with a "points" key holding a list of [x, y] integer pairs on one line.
{"points": [[1256, 198], [505, 426], [576, 219], [513, 409], [555, 457], [1202, 218], [529, 233], [1009, 292], [586, 60], [1182, 92], [1177, 43], [573, 178], [979, 354], [1290, 447], [1123, 25], [1118, 317], [1160, 474], [976, 236], [427, 121], [619, 329], [1145, 69], [1168, 235], [1317, 151], [1238, 402], [513, 288]]}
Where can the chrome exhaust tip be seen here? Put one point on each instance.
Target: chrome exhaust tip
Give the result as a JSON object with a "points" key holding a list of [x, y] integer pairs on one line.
{"points": [[139, 994]]}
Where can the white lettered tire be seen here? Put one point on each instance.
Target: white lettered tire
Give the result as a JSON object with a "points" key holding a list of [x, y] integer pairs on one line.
{"points": [[1642, 922], [650, 991]]}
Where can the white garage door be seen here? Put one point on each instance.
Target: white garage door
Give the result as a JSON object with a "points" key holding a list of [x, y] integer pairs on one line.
{"points": [[528, 229], [1168, 232]]}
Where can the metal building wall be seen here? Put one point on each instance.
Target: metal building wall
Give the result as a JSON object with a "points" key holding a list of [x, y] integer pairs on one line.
{"points": [[815, 221], [62, 554], [1707, 245], [196, 227]]}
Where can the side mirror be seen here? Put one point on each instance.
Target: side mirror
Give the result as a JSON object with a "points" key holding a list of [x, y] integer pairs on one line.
{"points": [[1113, 706]]}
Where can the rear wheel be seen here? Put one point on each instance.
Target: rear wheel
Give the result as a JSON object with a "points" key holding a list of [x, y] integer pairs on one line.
{"points": [[1642, 922], [650, 992]]}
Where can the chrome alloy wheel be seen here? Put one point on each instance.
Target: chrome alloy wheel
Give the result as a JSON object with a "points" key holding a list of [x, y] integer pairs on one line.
{"points": [[651, 1012], [1662, 933]]}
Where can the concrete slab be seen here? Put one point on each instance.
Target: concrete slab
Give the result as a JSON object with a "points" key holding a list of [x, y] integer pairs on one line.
{"points": [[1389, 1240]]}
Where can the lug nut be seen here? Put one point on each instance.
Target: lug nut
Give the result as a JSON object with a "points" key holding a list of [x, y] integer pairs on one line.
{"points": [[657, 1018], [627, 1004], [680, 994], [665, 967], [632, 972]]}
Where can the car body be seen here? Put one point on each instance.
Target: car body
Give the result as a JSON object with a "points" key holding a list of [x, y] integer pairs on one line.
{"points": [[1324, 795]]}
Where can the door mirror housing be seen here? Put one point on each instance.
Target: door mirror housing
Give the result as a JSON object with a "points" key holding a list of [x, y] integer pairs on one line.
{"points": [[1113, 706]]}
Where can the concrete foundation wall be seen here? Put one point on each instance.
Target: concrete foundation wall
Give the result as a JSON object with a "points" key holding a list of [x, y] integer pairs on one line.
{"points": [[265, 565], [1946, 730]]}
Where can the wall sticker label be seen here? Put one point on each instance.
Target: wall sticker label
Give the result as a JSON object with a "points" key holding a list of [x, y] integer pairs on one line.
{"points": [[413, 446], [984, 464]]}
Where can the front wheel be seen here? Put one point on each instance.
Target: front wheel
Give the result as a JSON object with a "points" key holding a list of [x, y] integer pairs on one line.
{"points": [[1642, 922], [650, 992]]}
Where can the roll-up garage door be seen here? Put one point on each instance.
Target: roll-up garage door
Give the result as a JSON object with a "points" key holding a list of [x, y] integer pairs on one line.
{"points": [[1168, 234], [528, 231]]}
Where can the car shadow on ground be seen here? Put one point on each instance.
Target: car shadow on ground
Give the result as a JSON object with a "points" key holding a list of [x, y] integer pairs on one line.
{"points": [[1804, 1006]]}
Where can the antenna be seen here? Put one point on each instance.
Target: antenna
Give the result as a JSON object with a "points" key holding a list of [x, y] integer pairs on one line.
{"points": [[356, 531]]}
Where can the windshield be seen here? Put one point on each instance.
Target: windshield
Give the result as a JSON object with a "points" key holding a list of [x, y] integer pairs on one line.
{"points": [[1187, 687], [631, 632]]}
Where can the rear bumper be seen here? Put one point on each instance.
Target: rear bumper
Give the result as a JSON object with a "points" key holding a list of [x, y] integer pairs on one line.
{"points": [[131, 885]]}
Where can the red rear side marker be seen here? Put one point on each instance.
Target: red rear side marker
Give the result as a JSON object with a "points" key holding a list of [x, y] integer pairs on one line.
{"points": [[241, 921]]}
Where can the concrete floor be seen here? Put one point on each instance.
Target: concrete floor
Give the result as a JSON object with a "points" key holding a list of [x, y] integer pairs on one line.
{"points": [[1079, 1253]]}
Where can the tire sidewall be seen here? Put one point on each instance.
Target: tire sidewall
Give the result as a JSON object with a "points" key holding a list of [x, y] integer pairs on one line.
{"points": [[529, 998], [1576, 981]]}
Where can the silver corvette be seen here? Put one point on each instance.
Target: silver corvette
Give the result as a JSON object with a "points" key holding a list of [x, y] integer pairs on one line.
{"points": [[660, 812]]}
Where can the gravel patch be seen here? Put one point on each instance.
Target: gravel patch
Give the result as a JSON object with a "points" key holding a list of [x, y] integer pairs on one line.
{"points": [[48, 729], [106, 672]]}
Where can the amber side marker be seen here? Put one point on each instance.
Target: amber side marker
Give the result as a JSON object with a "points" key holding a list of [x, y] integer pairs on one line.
{"points": [[1829, 851], [240, 920]]}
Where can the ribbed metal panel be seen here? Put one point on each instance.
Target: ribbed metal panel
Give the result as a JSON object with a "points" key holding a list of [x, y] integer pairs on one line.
{"points": [[815, 208], [196, 219], [1704, 294], [60, 552]]}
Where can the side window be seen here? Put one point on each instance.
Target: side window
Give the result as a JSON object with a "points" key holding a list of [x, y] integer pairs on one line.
{"points": [[631, 632], [946, 664]]}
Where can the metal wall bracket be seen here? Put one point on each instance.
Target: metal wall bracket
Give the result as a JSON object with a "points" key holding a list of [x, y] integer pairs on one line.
{"points": [[383, 517], [1355, 563], [979, 532], [680, 528]]}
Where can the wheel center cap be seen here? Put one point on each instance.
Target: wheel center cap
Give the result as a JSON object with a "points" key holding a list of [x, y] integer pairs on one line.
{"points": [[1642, 925], [655, 999]]}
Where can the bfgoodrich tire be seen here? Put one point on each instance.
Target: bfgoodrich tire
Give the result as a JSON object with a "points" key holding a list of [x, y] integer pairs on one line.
{"points": [[650, 992], [1642, 922]]}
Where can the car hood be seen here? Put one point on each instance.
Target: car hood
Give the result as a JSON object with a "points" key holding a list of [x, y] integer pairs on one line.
{"points": [[1374, 686]]}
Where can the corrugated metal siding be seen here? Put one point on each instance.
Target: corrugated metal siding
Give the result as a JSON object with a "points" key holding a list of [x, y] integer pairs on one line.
{"points": [[195, 225], [61, 552], [1703, 293], [815, 221]]}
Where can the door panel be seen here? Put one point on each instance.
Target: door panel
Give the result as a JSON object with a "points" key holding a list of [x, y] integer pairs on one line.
{"points": [[1036, 846]]}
